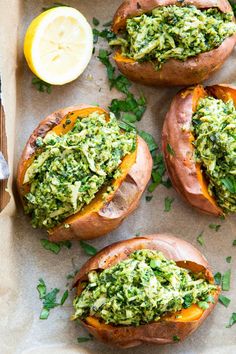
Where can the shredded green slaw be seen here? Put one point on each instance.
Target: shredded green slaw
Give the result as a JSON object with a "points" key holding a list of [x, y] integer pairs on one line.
{"points": [[70, 169], [214, 128], [178, 32], [141, 289]]}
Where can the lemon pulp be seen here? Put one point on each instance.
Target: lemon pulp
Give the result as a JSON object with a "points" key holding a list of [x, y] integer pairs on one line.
{"points": [[58, 45]]}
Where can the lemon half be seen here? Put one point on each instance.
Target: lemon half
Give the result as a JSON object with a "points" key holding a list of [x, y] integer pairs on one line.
{"points": [[58, 45]]}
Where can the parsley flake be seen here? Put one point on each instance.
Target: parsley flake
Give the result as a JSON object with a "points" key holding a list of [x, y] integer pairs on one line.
{"points": [[64, 297], [130, 104], [200, 239], [49, 299], [232, 320], [84, 339], [224, 300], [149, 140], [149, 198], [55, 4], [88, 249], [96, 22], [176, 338], [214, 227], [41, 85], [218, 277], [55, 247], [168, 204], [226, 280], [158, 172], [107, 24]]}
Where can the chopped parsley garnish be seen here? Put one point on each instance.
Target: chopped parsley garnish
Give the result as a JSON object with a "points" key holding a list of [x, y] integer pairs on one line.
{"points": [[218, 277], [96, 22], [71, 275], [41, 85], [41, 287], [200, 239], [149, 140], [64, 297], [88, 249], [84, 339], [226, 280], [141, 289], [49, 299], [55, 4], [168, 204], [130, 109], [149, 198], [224, 300], [128, 105], [105, 34], [104, 58], [107, 24], [176, 338], [214, 227], [158, 172], [232, 320], [228, 259], [234, 243], [55, 247]]}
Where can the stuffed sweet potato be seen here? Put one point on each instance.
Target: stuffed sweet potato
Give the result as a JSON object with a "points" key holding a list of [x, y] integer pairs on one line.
{"points": [[171, 42], [151, 289], [80, 175], [198, 142]]}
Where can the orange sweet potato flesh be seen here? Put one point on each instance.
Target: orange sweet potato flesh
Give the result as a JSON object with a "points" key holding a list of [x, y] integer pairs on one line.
{"points": [[180, 324], [173, 72], [100, 216], [185, 174]]}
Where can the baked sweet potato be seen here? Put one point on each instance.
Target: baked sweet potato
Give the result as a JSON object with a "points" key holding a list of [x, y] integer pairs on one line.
{"points": [[186, 175], [169, 328], [101, 215], [173, 72]]}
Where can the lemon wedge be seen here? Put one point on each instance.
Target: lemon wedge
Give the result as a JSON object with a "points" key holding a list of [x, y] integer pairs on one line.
{"points": [[58, 45]]}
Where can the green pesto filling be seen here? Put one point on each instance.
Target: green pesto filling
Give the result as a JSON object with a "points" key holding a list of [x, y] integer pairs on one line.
{"points": [[141, 289], [214, 128], [177, 32], [70, 169]]}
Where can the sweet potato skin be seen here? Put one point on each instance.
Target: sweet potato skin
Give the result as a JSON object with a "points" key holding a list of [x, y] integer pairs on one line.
{"points": [[173, 72], [161, 332], [124, 201], [181, 166]]}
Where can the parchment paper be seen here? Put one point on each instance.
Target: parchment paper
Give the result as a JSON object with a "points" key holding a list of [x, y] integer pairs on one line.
{"points": [[23, 260]]}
